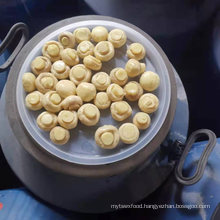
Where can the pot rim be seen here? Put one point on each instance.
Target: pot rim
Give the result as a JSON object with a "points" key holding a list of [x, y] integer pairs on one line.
{"points": [[70, 168]]}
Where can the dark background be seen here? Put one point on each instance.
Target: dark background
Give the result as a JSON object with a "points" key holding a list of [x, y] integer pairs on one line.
{"points": [[187, 30]]}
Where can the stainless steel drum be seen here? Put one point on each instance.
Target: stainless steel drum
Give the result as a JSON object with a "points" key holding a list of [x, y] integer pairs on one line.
{"points": [[79, 175]]}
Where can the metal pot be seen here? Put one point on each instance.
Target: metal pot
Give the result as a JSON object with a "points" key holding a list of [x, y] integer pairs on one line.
{"points": [[79, 176]]}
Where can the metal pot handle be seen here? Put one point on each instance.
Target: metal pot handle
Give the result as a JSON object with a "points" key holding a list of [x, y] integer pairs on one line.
{"points": [[202, 161], [8, 39]]}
